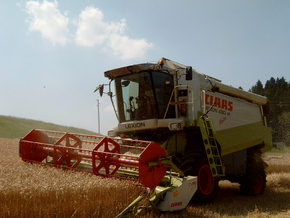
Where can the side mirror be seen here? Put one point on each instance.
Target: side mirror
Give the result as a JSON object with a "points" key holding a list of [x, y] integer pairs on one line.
{"points": [[188, 75], [101, 89]]}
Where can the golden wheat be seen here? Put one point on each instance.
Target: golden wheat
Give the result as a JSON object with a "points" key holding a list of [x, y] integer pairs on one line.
{"points": [[32, 190]]}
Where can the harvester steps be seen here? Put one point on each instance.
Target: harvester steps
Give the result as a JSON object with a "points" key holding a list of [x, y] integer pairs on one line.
{"points": [[211, 147]]}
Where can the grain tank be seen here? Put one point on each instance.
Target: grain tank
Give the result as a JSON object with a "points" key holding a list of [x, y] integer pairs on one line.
{"points": [[211, 130]]}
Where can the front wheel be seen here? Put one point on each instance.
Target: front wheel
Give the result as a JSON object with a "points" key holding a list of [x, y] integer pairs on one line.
{"points": [[207, 184]]}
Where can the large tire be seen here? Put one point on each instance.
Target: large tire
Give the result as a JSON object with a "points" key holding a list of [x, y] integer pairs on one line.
{"points": [[254, 182], [207, 184]]}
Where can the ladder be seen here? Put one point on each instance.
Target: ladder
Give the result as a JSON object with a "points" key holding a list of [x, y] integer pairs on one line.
{"points": [[211, 148]]}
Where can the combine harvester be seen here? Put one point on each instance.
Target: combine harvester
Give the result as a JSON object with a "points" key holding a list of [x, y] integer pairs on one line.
{"points": [[187, 131]]}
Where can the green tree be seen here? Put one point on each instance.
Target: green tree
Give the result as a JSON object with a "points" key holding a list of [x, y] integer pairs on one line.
{"points": [[284, 122], [278, 93], [258, 88]]}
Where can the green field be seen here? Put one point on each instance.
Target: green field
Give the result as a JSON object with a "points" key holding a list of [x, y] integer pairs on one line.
{"points": [[13, 127]]}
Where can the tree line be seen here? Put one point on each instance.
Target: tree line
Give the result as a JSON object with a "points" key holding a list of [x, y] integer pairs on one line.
{"points": [[278, 93]]}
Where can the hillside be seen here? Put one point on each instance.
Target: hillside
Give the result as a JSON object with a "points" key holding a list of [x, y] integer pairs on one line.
{"points": [[14, 127]]}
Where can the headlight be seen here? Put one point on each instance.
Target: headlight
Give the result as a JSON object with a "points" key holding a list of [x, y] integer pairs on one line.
{"points": [[111, 133], [175, 126]]}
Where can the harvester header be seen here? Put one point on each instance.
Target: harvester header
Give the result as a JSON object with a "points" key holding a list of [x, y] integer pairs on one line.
{"points": [[103, 156], [143, 162]]}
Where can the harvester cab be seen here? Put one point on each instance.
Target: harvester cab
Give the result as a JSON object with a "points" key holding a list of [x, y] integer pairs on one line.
{"points": [[148, 97]]}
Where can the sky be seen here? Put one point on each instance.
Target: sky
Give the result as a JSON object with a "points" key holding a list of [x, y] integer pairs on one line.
{"points": [[53, 54]]}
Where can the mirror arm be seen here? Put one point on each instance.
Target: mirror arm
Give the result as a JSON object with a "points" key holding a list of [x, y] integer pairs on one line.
{"points": [[110, 93]]}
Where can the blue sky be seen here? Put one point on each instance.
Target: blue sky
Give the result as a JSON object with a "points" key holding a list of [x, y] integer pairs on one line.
{"points": [[54, 53]]}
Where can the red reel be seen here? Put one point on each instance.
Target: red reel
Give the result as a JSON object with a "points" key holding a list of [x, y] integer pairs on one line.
{"points": [[63, 151], [108, 159]]}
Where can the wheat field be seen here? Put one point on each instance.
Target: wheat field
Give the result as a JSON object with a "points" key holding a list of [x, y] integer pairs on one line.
{"points": [[32, 190]]}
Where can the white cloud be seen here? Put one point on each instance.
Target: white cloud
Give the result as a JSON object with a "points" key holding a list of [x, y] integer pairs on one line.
{"points": [[127, 48], [48, 20], [91, 31]]}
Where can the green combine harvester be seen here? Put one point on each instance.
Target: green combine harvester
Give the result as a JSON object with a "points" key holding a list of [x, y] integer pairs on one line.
{"points": [[179, 133]]}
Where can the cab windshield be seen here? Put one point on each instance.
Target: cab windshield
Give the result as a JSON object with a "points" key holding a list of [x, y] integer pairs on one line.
{"points": [[144, 96]]}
